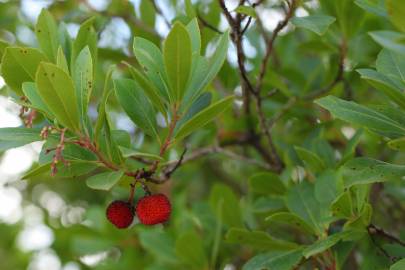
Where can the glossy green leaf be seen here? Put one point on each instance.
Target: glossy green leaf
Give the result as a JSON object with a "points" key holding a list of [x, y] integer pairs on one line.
{"points": [[266, 183], [396, 13], [311, 160], [204, 71], [127, 152], [200, 104], [223, 198], [151, 60], [19, 65], [376, 7], [61, 60], [31, 92], [399, 265], [258, 239], [390, 40], [285, 260], [15, 137], [57, 91], [149, 89], [301, 201], [85, 37], [324, 244], [47, 34], [159, 243], [366, 170], [363, 116], [177, 58], [351, 145], [342, 207], [83, 80], [136, 105], [318, 24], [104, 181], [326, 186], [391, 64], [289, 219], [384, 84], [195, 36], [190, 249], [203, 117], [148, 13]]}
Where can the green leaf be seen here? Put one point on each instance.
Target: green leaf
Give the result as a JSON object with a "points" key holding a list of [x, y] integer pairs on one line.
{"points": [[149, 89], [203, 117], [15, 137], [177, 58], [223, 198], [318, 24], [203, 71], [399, 265], [85, 37], [83, 79], [266, 183], [200, 104], [65, 41], [104, 181], [127, 152], [195, 36], [390, 40], [373, 6], [61, 60], [148, 14], [290, 219], [396, 13], [190, 249], [324, 244], [258, 239], [159, 244], [285, 260], [397, 144], [136, 105], [190, 12], [326, 186], [384, 84], [19, 65], [342, 207], [301, 201], [311, 160], [57, 91], [350, 148], [47, 34], [366, 170], [391, 64], [246, 10], [31, 92], [151, 60], [363, 116]]}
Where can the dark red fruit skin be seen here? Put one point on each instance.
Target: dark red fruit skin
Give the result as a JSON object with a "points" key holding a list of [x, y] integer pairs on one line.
{"points": [[120, 213], [153, 209]]}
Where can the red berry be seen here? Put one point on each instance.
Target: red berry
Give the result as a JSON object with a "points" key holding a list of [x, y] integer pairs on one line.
{"points": [[120, 213], [153, 209]]}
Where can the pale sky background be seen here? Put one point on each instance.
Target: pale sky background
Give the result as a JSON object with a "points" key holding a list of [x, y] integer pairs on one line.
{"points": [[37, 237]]}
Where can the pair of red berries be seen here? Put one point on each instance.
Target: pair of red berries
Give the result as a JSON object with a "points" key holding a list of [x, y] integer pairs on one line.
{"points": [[151, 210]]}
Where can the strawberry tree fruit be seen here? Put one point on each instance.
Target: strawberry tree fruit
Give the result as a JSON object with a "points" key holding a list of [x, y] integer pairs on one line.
{"points": [[120, 213], [153, 209]]}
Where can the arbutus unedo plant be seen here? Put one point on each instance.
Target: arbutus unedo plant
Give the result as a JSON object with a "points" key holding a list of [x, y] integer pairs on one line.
{"points": [[57, 81], [250, 134]]}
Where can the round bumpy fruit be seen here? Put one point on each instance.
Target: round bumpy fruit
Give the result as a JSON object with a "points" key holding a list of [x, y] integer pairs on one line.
{"points": [[153, 209], [120, 213]]}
